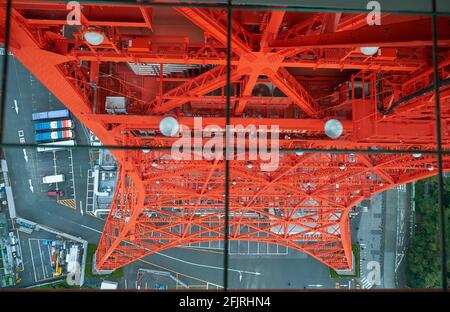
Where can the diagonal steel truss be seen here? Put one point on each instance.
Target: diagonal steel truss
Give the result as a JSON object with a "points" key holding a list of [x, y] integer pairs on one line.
{"points": [[304, 204]]}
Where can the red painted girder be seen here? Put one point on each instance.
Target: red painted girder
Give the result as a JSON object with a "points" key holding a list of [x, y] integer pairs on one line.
{"points": [[299, 29], [206, 101], [213, 21], [200, 85], [42, 22], [186, 58], [60, 7], [152, 122], [392, 35], [269, 33], [247, 92], [315, 248], [294, 90], [354, 21], [387, 134], [330, 22]]}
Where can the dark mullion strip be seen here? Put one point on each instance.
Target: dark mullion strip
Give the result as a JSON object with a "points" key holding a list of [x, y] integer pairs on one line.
{"points": [[274, 7], [227, 150], [5, 71], [287, 150], [439, 154]]}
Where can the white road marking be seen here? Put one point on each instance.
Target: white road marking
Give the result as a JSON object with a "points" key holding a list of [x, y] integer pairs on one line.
{"points": [[49, 253], [207, 266], [55, 170], [87, 227], [25, 155], [32, 261], [20, 247], [365, 283], [184, 261], [81, 207], [73, 178], [16, 107], [31, 186], [126, 284], [87, 191], [42, 260]]}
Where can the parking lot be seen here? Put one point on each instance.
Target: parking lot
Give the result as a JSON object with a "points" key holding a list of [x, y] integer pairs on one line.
{"points": [[53, 163], [37, 262], [40, 258], [241, 247]]}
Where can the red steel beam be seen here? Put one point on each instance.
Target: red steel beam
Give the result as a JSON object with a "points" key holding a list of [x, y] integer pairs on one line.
{"points": [[306, 209], [214, 23], [391, 35], [270, 32], [294, 90]]}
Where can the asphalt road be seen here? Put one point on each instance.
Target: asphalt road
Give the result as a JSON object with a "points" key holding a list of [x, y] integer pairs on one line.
{"points": [[295, 270]]}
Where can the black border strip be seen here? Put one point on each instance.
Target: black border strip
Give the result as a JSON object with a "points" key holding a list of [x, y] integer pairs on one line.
{"points": [[5, 70]]}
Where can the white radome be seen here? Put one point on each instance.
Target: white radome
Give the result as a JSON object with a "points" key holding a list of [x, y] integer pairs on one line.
{"points": [[94, 37], [369, 51], [169, 126], [333, 128]]}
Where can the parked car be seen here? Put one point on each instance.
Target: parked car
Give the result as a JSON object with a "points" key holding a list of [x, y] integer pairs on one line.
{"points": [[54, 193]]}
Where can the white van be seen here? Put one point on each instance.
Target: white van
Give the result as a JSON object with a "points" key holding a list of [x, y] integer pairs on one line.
{"points": [[53, 179]]}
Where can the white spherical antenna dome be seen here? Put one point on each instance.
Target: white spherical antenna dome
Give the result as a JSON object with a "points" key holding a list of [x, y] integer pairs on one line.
{"points": [[169, 126], [94, 37], [369, 51], [333, 128]]}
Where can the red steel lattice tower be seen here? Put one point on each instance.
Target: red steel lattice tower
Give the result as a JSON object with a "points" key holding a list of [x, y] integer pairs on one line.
{"points": [[291, 70]]}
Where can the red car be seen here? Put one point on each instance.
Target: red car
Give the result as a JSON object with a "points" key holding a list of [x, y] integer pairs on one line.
{"points": [[54, 193]]}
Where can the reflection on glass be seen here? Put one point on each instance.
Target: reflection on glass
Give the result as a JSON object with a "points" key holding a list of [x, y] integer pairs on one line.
{"points": [[115, 118], [423, 258], [346, 218], [443, 217]]}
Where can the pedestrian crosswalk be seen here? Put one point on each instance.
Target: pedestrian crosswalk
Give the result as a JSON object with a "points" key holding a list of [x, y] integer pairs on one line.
{"points": [[365, 283]]}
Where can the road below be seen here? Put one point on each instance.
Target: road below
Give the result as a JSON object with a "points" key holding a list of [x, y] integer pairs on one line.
{"points": [[26, 95]]}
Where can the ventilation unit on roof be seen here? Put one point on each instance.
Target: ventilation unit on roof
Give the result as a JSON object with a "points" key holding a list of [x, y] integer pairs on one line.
{"points": [[153, 69], [115, 105]]}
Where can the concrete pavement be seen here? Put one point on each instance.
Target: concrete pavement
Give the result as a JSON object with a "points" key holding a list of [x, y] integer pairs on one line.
{"points": [[294, 270]]}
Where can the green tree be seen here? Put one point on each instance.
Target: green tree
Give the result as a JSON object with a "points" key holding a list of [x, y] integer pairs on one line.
{"points": [[423, 258]]}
